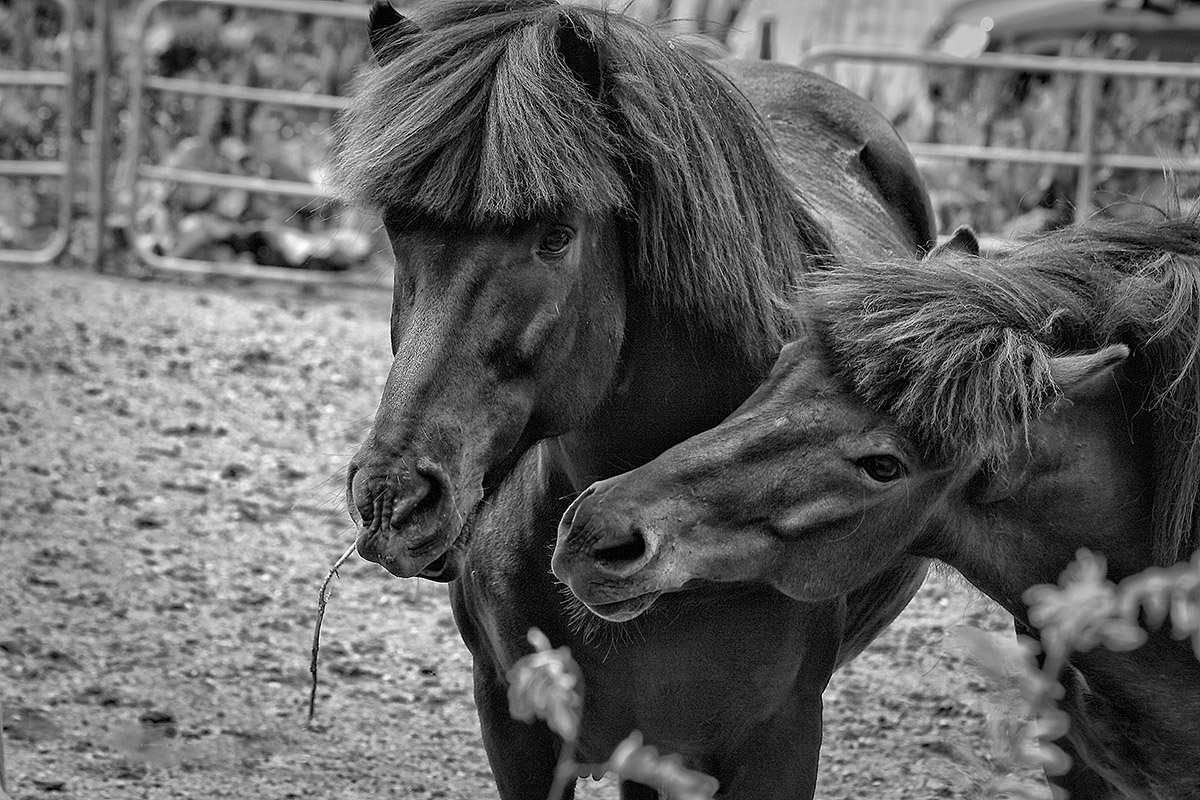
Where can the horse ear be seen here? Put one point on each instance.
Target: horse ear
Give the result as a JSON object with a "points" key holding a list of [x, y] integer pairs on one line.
{"points": [[578, 51], [1083, 375], [387, 29], [1078, 376], [962, 241]]}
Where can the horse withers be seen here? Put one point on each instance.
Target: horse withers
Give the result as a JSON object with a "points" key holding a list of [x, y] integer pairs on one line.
{"points": [[997, 415], [598, 248]]}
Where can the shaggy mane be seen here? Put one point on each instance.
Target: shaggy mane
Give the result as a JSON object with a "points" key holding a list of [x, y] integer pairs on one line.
{"points": [[957, 348], [477, 121]]}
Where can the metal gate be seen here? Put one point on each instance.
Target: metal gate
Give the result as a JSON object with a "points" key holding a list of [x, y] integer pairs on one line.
{"points": [[143, 83], [1087, 158], [64, 167]]}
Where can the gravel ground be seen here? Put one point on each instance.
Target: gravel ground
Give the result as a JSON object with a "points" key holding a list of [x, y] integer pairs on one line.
{"points": [[171, 464]]}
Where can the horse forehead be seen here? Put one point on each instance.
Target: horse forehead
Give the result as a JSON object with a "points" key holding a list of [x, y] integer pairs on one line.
{"points": [[444, 254], [803, 385], [801, 429]]}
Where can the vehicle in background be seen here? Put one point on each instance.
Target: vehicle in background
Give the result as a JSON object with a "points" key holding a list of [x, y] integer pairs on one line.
{"points": [[1162, 30], [1038, 110]]}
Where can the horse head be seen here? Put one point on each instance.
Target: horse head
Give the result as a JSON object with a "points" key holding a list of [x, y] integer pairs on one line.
{"points": [[505, 329], [489, 331], [811, 491], [724, 505], [732, 503], [963, 439], [563, 189]]}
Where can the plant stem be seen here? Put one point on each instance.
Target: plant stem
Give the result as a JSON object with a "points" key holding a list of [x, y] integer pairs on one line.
{"points": [[564, 773], [322, 600]]}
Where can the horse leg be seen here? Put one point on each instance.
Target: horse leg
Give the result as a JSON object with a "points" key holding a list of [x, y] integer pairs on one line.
{"points": [[1080, 782], [872, 607], [637, 791], [779, 761], [523, 756]]}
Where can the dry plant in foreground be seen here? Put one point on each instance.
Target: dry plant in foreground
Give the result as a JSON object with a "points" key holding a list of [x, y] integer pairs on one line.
{"points": [[1085, 610], [322, 601], [548, 685]]}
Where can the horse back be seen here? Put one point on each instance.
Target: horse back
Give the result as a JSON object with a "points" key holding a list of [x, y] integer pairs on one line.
{"points": [[828, 137]]}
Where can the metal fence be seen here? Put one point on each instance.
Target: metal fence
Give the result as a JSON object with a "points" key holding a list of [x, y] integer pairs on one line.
{"points": [[64, 167], [1088, 159], [143, 83]]}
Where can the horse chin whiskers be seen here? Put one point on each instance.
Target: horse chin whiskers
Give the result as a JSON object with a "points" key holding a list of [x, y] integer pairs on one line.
{"points": [[597, 631]]}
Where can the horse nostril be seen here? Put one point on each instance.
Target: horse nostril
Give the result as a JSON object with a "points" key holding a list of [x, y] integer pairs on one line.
{"points": [[412, 498], [622, 550], [431, 498]]}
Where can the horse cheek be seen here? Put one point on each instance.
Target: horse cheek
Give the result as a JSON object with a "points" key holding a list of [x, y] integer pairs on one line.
{"points": [[582, 376]]}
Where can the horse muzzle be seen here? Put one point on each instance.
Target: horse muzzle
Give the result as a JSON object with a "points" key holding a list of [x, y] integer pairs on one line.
{"points": [[606, 557], [408, 520]]}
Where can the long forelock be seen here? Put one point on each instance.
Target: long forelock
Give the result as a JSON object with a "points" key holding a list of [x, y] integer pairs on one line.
{"points": [[956, 349], [954, 356], [477, 121]]}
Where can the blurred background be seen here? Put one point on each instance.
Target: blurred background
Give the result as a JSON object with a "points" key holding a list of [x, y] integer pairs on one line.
{"points": [[189, 135]]}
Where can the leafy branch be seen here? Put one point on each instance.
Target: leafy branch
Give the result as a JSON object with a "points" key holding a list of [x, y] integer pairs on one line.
{"points": [[1082, 611]]}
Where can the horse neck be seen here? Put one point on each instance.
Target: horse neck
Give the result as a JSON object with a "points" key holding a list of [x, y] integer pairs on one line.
{"points": [[674, 381], [1085, 483], [1136, 717]]}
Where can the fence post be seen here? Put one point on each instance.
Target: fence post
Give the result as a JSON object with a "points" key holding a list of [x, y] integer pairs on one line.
{"points": [[102, 138], [1085, 183], [3, 776], [64, 167]]}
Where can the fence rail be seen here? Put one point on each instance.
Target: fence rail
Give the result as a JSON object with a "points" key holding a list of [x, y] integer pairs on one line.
{"points": [[1088, 159], [142, 83], [64, 167]]}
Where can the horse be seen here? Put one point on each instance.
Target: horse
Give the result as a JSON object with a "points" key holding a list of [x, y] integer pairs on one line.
{"points": [[996, 415], [599, 243]]}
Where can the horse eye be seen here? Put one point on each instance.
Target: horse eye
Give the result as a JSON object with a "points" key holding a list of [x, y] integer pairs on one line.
{"points": [[555, 241], [883, 469]]}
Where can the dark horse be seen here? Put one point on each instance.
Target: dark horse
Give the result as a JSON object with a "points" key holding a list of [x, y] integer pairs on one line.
{"points": [[598, 246], [996, 415]]}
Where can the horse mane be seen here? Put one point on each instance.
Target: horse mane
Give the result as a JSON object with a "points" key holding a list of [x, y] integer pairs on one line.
{"points": [[479, 121], [957, 348]]}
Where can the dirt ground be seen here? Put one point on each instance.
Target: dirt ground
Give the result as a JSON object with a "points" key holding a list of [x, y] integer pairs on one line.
{"points": [[170, 498]]}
